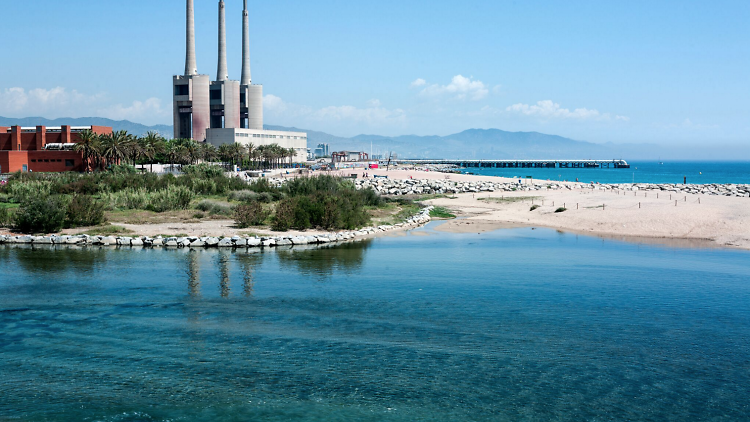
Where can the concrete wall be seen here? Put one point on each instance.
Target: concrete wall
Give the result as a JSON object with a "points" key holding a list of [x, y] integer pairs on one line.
{"points": [[40, 161]]}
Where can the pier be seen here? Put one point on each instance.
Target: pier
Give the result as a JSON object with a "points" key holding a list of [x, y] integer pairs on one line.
{"points": [[618, 164]]}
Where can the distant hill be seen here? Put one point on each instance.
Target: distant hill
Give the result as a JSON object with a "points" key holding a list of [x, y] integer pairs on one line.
{"points": [[469, 144], [134, 128], [482, 144]]}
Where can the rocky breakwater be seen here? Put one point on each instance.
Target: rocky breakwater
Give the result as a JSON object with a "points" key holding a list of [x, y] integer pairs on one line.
{"points": [[395, 187], [430, 187], [417, 220], [732, 190]]}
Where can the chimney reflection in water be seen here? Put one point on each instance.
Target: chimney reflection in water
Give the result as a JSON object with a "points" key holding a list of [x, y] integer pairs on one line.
{"points": [[224, 270], [194, 280]]}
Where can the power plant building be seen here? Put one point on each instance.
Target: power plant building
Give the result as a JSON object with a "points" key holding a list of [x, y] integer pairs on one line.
{"points": [[224, 111]]}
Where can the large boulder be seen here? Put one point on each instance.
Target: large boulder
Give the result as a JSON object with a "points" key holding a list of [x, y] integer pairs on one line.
{"points": [[225, 243], [254, 242]]}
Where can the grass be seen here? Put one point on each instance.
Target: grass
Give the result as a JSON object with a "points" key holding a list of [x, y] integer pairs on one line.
{"points": [[441, 212], [107, 231], [420, 198], [8, 206], [510, 199]]}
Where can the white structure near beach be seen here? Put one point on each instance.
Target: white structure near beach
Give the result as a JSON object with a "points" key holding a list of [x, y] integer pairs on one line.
{"points": [[296, 140]]}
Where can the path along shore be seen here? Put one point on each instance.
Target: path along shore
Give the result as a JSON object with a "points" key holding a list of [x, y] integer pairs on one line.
{"points": [[719, 214]]}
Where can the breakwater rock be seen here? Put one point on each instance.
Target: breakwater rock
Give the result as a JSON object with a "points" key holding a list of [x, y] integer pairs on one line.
{"points": [[430, 187], [415, 221]]}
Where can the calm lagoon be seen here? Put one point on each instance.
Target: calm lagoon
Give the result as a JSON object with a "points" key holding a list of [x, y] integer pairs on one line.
{"points": [[512, 325]]}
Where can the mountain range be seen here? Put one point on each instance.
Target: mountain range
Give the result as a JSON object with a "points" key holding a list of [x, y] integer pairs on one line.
{"points": [[469, 144]]}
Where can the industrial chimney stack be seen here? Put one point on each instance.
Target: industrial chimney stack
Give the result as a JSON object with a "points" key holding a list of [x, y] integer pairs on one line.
{"points": [[246, 79], [222, 74], [191, 68]]}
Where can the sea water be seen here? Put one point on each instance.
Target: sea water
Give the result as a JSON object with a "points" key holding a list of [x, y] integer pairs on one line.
{"points": [[512, 325], [695, 172]]}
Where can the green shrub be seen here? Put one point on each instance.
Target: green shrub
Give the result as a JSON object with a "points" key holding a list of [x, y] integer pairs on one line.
{"points": [[204, 171], [129, 199], [250, 214], [122, 169], [214, 208], [441, 212], [561, 209], [170, 199], [250, 196], [284, 217], [41, 214], [6, 217], [24, 191], [84, 211], [534, 207]]}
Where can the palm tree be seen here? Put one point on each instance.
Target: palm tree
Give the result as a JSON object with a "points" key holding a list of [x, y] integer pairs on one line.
{"points": [[208, 152], [115, 147], [237, 152], [87, 146], [225, 153], [193, 151], [151, 145]]}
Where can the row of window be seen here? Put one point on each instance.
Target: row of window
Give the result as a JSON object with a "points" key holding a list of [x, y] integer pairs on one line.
{"points": [[260, 135], [68, 163]]}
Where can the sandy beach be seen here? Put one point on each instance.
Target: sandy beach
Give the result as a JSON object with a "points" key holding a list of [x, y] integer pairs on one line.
{"points": [[723, 221]]}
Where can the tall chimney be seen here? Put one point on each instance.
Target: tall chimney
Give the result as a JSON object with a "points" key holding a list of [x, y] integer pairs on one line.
{"points": [[222, 74], [190, 67], [246, 78]]}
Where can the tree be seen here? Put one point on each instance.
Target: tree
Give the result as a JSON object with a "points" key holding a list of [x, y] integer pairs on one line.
{"points": [[88, 146], [208, 152], [151, 145], [115, 147]]}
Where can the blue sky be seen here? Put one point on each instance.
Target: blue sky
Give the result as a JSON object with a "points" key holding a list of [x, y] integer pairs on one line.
{"points": [[670, 72]]}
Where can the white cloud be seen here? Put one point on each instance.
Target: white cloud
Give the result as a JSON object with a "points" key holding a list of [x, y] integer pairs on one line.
{"points": [[418, 82], [548, 109], [460, 88], [374, 115], [61, 102]]}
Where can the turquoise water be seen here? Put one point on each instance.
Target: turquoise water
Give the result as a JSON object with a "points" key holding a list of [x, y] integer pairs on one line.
{"points": [[513, 325], [640, 172]]}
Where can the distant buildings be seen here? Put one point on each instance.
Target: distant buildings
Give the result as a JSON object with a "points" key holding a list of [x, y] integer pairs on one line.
{"points": [[224, 111], [43, 149], [322, 150]]}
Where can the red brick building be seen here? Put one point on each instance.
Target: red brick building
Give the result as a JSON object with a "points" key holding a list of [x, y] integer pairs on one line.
{"points": [[43, 149]]}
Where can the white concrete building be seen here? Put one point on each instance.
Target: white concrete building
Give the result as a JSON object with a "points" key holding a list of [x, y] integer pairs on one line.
{"points": [[296, 140]]}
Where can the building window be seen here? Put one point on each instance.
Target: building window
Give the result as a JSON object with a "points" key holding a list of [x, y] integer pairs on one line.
{"points": [[33, 161], [181, 90], [70, 163], [215, 94]]}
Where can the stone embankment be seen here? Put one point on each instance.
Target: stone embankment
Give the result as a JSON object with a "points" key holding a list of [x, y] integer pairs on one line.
{"points": [[423, 217], [427, 187]]}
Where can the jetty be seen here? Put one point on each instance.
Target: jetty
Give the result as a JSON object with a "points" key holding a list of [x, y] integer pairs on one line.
{"points": [[589, 164]]}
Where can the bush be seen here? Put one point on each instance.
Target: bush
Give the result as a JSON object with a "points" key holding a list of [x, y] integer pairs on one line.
{"points": [[534, 207], [284, 218], [214, 208], [170, 199], [6, 217], [122, 169], [41, 214], [203, 171], [24, 191], [561, 209], [129, 199], [441, 212], [84, 211], [250, 196], [251, 214]]}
